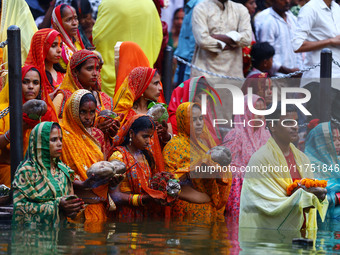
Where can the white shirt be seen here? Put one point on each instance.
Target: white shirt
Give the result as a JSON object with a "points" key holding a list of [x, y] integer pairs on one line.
{"points": [[317, 22], [212, 17], [259, 18], [279, 34]]}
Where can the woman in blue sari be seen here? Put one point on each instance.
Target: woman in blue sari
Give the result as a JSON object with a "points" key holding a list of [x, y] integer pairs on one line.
{"points": [[323, 150]]}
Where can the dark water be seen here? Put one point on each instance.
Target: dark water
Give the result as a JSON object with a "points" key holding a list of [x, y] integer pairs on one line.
{"points": [[162, 238]]}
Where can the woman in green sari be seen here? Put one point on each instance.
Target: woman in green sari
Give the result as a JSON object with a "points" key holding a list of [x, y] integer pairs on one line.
{"points": [[42, 185]]}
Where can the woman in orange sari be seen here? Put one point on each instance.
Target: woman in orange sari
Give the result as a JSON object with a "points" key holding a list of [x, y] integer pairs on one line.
{"points": [[83, 72], [82, 147], [128, 55], [138, 89], [65, 21], [32, 88], [201, 199], [45, 52], [134, 192]]}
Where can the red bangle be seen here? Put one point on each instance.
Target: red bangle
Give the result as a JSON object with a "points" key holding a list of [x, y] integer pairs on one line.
{"points": [[337, 195], [130, 199], [140, 202]]}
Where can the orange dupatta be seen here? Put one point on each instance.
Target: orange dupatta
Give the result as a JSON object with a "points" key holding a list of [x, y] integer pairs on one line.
{"points": [[81, 150], [129, 55], [140, 177], [130, 91]]}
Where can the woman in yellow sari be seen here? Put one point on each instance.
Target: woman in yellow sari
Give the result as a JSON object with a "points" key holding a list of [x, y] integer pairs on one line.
{"points": [[82, 147], [201, 199], [83, 72], [11, 14]]}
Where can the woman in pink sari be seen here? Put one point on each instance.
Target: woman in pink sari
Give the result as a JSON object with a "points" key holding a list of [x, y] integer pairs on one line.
{"points": [[243, 140]]}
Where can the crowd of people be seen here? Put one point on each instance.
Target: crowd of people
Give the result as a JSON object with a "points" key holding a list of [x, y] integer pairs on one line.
{"points": [[93, 67]]}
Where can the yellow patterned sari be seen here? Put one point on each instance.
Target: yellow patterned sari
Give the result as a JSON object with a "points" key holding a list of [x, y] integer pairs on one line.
{"points": [[180, 155], [81, 150]]}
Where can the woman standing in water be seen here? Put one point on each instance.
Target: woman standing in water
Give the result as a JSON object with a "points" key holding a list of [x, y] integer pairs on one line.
{"points": [[42, 181]]}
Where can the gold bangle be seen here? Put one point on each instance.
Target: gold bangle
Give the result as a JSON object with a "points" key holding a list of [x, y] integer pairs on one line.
{"points": [[135, 200]]}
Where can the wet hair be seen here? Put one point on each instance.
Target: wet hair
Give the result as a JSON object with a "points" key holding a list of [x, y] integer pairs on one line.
{"points": [[141, 124], [55, 125], [59, 68], [156, 72], [87, 98], [261, 51]]}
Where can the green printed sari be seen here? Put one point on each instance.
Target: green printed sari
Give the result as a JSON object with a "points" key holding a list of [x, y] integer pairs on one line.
{"points": [[36, 192]]}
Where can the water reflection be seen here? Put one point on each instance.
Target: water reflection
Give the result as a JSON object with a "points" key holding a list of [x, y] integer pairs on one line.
{"points": [[161, 238]]}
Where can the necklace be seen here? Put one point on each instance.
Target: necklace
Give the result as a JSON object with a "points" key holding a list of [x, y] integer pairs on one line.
{"points": [[53, 170], [135, 155]]}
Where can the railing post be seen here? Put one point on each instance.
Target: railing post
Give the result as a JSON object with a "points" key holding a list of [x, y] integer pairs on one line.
{"points": [[15, 96], [167, 73], [325, 90]]}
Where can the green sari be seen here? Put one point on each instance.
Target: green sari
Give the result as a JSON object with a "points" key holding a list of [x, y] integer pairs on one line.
{"points": [[36, 192]]}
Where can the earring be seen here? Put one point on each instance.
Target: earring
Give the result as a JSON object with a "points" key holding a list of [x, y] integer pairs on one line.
{"points": [[142, 95], [130, 140]]}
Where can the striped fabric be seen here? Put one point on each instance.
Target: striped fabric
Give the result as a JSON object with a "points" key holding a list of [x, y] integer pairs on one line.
{"points": [[37, 192], [324, 159]]}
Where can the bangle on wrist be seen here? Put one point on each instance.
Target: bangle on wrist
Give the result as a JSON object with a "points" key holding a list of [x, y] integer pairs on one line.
{"points": [[168, 139], [140, 201], [130, 199], [135, 200]]}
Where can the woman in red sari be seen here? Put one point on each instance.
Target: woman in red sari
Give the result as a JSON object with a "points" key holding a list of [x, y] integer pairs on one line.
{"points": [[32, 88], [45, 52], [134, 192], [83, 72], [132, 98], [65, 21]]}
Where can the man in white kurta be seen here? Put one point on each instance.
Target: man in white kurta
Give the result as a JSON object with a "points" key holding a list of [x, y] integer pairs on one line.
{"points": [[221, 29]]}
